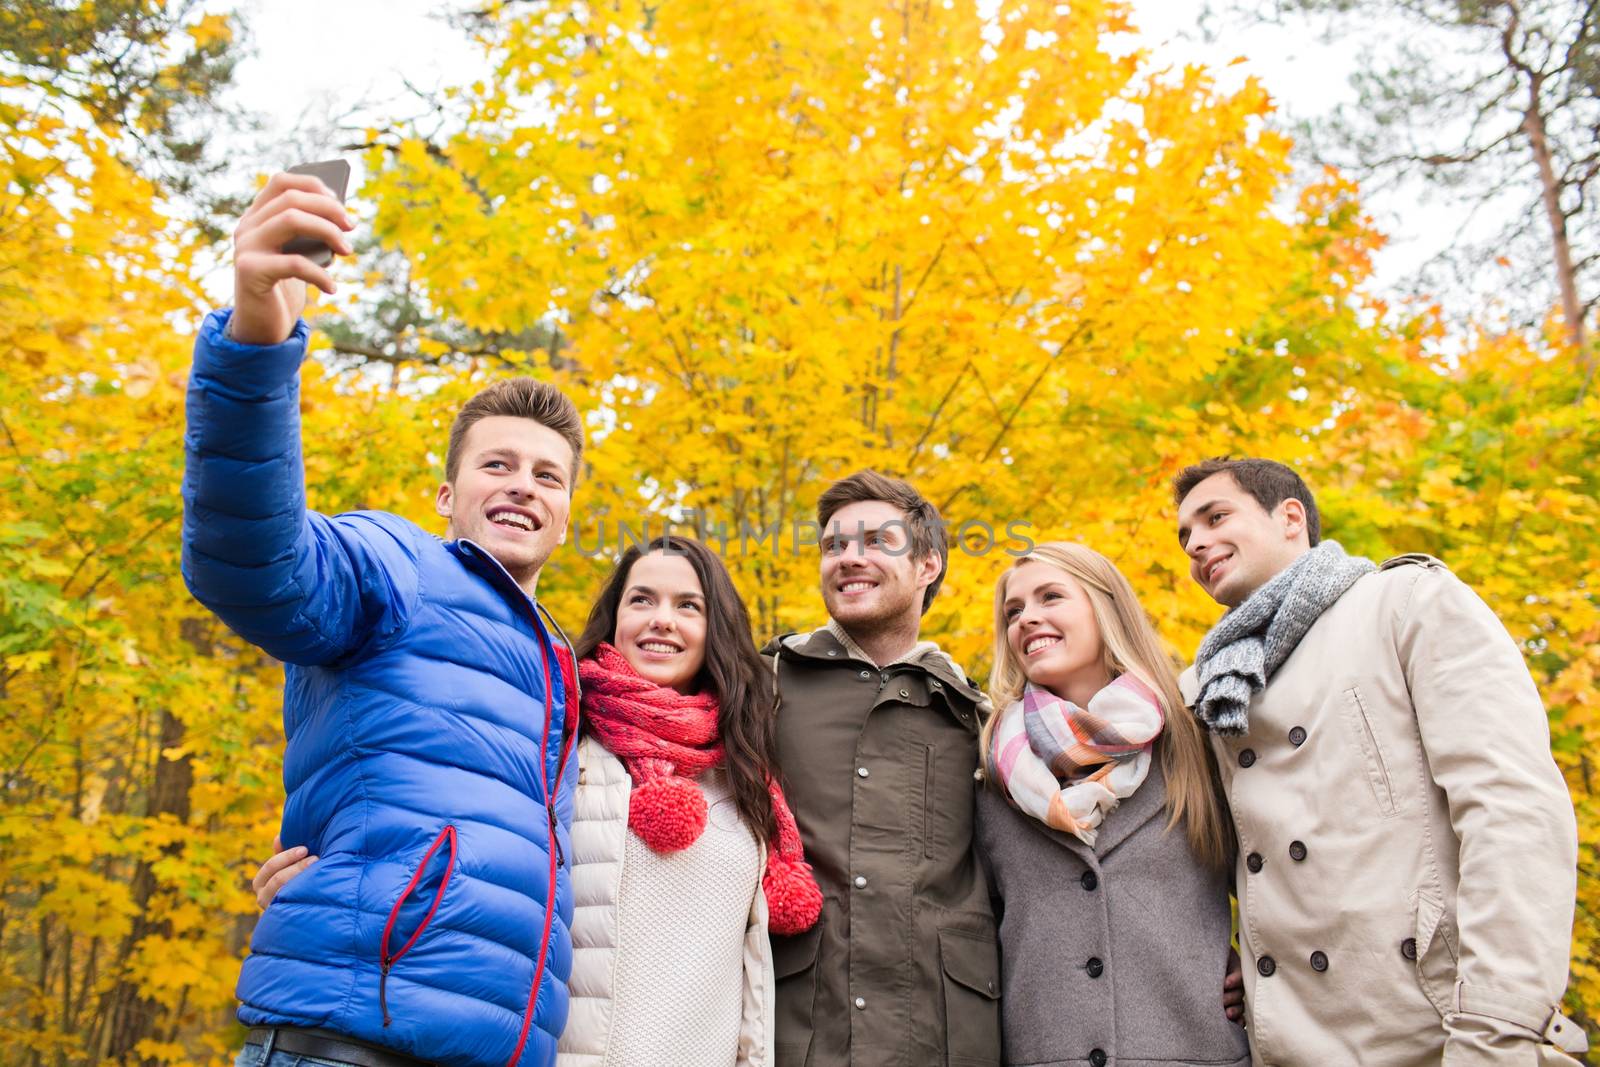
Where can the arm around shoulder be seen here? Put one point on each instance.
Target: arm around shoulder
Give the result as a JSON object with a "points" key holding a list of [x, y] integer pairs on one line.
{"points": [[1486, 739]]}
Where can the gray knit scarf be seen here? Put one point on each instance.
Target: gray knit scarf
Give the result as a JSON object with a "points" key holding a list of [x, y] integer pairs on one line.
{"points": [[1246, 648]]}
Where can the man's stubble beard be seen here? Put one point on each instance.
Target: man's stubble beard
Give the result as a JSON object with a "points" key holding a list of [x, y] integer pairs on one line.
{"points": [[866, 627]]}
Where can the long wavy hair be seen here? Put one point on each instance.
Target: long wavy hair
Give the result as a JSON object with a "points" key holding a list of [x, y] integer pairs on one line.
{"points": [[733, 671], [1130, 646]]}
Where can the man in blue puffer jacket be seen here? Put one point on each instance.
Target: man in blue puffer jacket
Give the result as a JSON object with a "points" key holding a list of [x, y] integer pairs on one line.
{"points": [[428, 708]]}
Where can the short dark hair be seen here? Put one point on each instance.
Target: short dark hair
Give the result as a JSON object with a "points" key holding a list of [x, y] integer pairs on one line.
{"points": [[923, 524], [1267, 480], [520, 398]]}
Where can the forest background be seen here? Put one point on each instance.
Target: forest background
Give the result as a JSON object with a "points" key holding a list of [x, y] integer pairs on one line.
{"points": [[999, 249]]}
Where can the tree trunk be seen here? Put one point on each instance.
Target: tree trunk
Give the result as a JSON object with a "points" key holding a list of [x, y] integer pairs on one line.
{"points": [[132, 1018], [39, 1018], [1561, 249]]}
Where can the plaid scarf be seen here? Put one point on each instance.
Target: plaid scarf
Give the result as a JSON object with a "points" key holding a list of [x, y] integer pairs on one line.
{"points": [[1069, 767], [1248, 645], [666, 738]]}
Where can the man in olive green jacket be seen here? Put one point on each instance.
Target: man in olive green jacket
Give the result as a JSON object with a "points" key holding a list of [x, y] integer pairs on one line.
{"points": [[1407, 848], [877, 738]]}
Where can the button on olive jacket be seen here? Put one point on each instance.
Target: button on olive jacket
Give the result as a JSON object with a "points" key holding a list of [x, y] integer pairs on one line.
{"points": [[878, 765], [1113, 954], [1407, 847]]}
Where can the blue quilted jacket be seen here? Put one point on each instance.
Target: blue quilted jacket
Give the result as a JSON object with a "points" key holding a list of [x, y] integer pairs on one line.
{"points": [[424, 708]]}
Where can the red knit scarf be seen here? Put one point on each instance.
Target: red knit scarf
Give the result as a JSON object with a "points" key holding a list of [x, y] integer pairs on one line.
{"points": [[666, 738]]}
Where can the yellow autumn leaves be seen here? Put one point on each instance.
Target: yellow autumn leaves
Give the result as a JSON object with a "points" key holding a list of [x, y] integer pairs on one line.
{"points": [[762, 246]]}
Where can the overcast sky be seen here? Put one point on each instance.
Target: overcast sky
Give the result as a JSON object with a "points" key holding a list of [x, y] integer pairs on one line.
{"points": [[312, 60]]}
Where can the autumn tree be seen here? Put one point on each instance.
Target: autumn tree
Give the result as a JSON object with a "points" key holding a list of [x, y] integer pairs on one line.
{"points": [[995, 250], [119, 921], [1495, 104], [148, 73]]}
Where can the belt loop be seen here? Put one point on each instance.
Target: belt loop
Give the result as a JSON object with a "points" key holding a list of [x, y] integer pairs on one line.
{"points": [[266, 1046]]}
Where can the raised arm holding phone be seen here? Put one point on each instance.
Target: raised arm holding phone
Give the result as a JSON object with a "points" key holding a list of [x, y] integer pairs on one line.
{"points": [[429, 702], [267, 302]]}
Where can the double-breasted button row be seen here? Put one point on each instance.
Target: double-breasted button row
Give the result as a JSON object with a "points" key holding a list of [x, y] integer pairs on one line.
{"points": [[1266, 966], [1255, 860], [1297, 737]]}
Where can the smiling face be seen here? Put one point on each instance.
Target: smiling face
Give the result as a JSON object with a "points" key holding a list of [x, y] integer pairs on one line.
{"points": [[1236, 546], [1052, 631], [870, 578], [512, 493], [661, 621]]}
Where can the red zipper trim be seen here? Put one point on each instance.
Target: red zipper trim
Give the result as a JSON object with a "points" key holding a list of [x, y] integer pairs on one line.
{"points": [[554, 851], [386, 961], [569, 690]]}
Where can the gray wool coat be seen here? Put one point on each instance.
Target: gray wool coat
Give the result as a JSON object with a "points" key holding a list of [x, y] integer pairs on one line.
{"points": [[1112, 956]]}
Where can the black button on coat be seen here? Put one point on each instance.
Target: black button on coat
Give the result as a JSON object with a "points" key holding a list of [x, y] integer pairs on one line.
{"points": [[1133, 969]]}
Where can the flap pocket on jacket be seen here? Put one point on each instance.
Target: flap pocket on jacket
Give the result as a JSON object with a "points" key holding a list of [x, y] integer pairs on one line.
{"points": [[791, 955], [971, 963], [972, 960], [794, 971], [1435, 959]]}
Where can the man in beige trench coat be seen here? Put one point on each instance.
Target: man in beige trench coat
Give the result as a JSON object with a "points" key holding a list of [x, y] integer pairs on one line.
{"points": [[1407, 847]]}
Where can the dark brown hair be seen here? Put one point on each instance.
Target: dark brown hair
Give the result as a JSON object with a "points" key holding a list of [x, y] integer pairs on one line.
{"points": [[1267, 480], [923, 525], [520, 398], [733, 670]]}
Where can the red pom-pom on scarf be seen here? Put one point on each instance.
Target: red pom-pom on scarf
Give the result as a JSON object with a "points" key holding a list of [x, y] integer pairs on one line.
{"points": [[668, 813], [793, 900], [665, 738]]}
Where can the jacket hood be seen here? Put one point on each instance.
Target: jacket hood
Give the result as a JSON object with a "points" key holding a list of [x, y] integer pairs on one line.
{"points": [[823, 644]]}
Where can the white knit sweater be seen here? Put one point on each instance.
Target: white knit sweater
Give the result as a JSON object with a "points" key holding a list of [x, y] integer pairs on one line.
{"points": [[671, 963]]}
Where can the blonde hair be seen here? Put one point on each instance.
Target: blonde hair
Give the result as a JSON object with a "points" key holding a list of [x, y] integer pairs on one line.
{"points": [[1130, 646]]}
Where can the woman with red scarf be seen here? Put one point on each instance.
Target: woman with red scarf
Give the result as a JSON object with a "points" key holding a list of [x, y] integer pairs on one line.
{"points": [[684, 852]]}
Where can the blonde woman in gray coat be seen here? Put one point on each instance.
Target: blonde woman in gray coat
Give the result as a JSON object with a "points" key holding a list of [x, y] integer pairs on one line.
{"points": [[1104, 837]]}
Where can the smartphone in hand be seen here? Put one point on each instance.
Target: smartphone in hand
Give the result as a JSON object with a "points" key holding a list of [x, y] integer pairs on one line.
{"points": [[335, 174]]}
